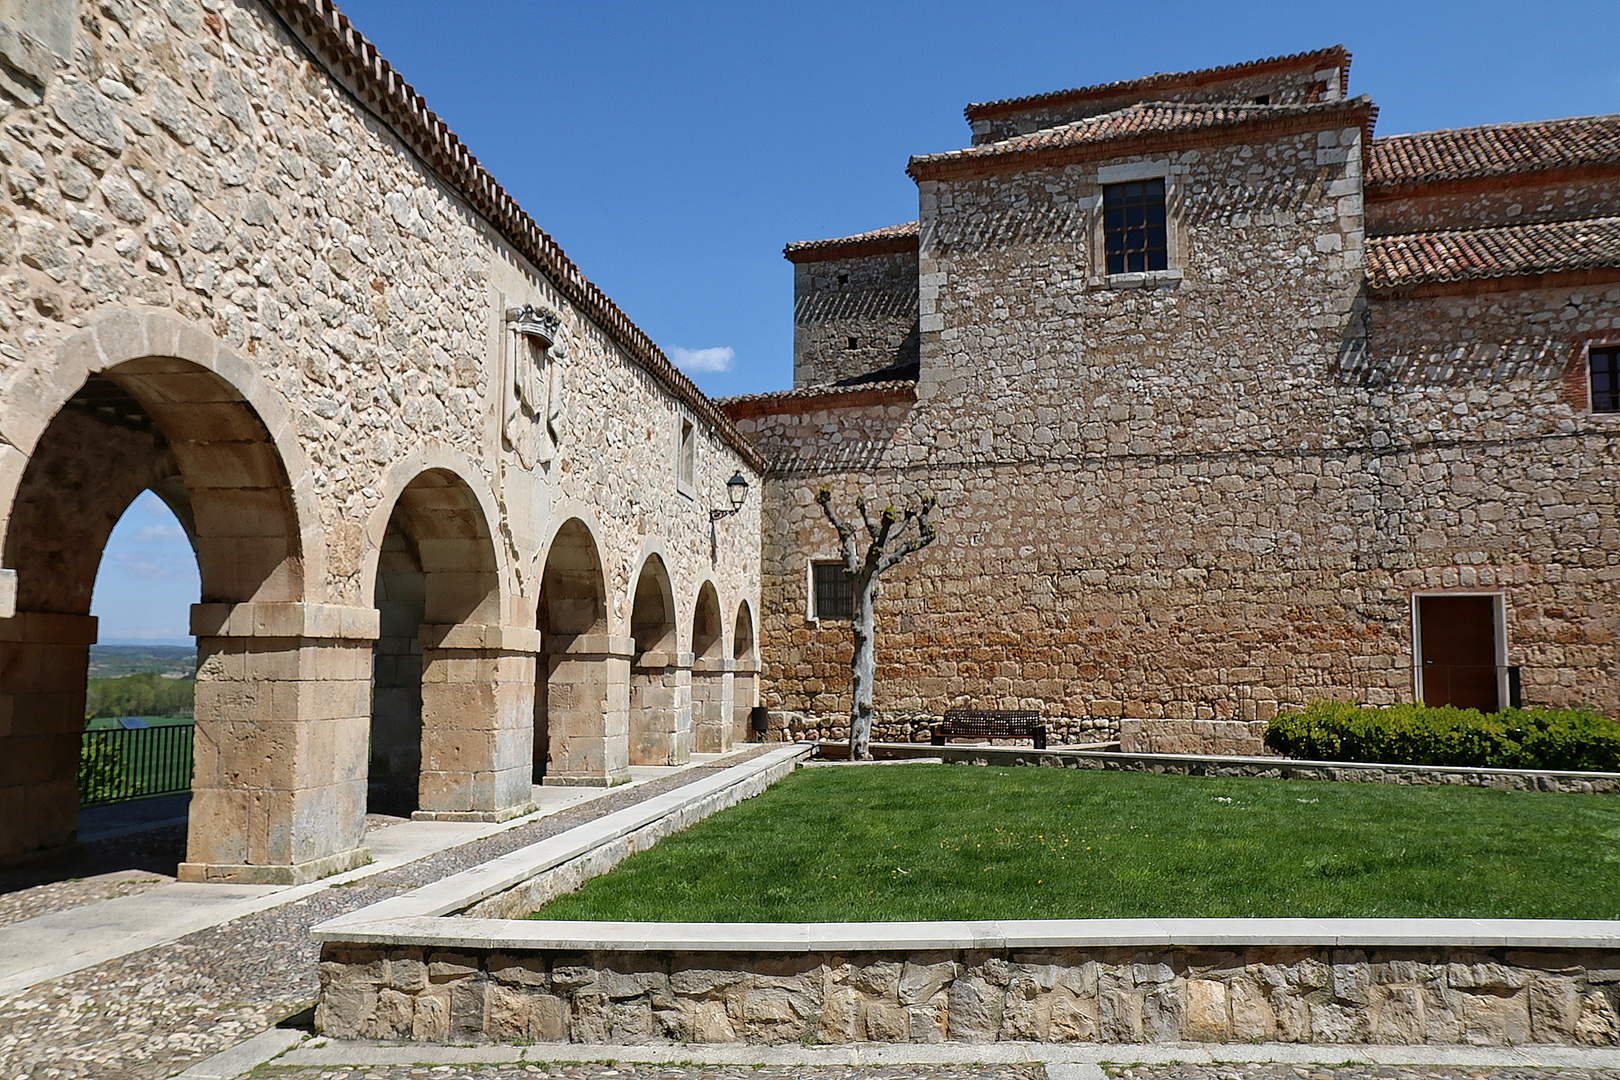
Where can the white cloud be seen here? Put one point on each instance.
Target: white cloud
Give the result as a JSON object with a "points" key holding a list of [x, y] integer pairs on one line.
{"points": [[703, 359], [150, 534]]}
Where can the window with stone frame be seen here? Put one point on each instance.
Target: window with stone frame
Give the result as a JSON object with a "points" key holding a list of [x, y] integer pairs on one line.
{"points": [[831, 594], [686, 456], [1134, 238], [1603, 361]]}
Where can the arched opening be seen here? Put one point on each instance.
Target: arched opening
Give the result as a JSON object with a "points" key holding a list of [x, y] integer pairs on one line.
{"points": [[395, 759], [744, 673], [443, 687], [660, 686], [580, 700], [711, 676], [181, 431]]}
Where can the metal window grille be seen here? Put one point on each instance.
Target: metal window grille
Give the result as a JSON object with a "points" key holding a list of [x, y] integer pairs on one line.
{"points": [[1605, 366], [834, 597], [1133, 227]]}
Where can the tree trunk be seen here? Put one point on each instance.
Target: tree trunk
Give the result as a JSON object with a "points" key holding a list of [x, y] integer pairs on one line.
{"points": [[863, 668]]}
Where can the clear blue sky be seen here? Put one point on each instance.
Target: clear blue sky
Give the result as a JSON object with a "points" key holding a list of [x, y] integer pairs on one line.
{"points": [[672, 149]]}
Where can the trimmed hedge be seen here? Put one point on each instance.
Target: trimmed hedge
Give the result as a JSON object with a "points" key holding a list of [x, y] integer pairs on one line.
{"points": [[1422, 735]]}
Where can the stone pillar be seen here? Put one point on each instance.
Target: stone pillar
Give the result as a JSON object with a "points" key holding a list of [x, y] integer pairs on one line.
{"points": [[711, 705], [588, 709], [283, 717], [661, 709], [43, 660], [477, 722], [744, 696]]}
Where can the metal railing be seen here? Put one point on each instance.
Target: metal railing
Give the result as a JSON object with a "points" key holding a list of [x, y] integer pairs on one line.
{"points": [[1446, 683], [117, 764]]}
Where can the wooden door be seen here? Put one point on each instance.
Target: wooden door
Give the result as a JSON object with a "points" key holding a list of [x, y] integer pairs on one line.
{"points": [[1457, 643]]}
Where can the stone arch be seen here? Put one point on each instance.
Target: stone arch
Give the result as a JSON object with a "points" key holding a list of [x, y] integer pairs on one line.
{"points": [[475, 498], [131, 420], [436, 574], [120, 338], [582, 674], [744, 672], [660, 677], [711, 675]]}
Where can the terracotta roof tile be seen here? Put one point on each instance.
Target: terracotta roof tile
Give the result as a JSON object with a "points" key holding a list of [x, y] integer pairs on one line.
{"points": [[354, 62], [1494, 150], [1336, 55], [805, 398], [1146, 118], [1499, 251], [902, 237]]}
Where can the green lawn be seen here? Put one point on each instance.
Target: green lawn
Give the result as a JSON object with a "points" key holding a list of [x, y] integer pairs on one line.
{"points": [[916, 842]]}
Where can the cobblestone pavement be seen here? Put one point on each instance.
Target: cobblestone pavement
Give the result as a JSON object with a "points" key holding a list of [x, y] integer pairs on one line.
{"points": [[153, 1013], [624, 1071], [1348, 1072], [30, 903]]}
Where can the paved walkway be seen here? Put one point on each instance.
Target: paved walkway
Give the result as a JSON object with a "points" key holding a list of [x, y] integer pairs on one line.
{"points": [[131, 975]]}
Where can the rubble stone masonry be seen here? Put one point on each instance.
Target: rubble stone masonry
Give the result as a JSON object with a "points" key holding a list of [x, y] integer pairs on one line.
{"points": [[208, 237]]}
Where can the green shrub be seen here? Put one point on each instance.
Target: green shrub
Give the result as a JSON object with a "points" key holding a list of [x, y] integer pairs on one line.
{"points": [[102, 772], [1445, 735]]}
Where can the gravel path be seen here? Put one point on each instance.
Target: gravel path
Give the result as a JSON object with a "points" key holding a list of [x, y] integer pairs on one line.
{"points": [[153, 1013]]}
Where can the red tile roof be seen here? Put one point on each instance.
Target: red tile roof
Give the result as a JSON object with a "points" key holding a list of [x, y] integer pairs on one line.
{"points": [[1494, 150], [890, 238], [1430, 258], [1141, 121], [810, 398], [1333, 56], [355, 63]]}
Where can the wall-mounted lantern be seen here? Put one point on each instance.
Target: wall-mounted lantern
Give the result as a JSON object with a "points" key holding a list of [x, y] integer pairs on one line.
{"points": [[737, 492]]}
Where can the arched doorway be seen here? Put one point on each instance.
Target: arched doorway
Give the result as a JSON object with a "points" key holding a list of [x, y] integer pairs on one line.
{"points": [[182, 431], [461, 723], [744, 673], [581, 707], [711, 683], [660, 686]]}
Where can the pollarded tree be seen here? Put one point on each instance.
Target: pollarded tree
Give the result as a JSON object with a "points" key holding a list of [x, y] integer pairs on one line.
{"points": [[864, 568]]}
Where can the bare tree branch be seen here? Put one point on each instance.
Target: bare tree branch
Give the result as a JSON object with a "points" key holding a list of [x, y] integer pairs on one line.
{"points": [[846, 534]]}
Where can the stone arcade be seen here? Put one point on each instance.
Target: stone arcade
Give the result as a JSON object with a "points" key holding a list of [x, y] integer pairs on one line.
{"points": [[414, 448], [1332, 416]]}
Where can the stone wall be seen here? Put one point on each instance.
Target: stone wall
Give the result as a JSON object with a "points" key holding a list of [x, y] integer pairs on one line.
{"points": [[1194, 497], [1497, 200], [853, 315], [1315, 994], [205, 229]]}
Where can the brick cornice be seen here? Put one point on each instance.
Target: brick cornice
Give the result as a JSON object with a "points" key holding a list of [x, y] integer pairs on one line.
{"points": [[356, 64], [1558, 279], [813, 398]]}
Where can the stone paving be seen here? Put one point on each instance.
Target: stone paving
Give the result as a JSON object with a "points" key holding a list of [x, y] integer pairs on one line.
{"points": [[153, 1013], [631, 1071]]}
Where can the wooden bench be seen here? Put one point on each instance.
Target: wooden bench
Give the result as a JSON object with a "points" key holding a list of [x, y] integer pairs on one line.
{"points": [[989, 724]]}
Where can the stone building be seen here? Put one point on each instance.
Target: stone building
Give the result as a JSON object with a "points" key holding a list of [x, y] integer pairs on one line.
{"points": [[447, 501], [1229, 405]]}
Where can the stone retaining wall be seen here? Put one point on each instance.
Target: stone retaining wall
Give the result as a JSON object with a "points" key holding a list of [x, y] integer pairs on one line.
{"points": [[1121, 994]]}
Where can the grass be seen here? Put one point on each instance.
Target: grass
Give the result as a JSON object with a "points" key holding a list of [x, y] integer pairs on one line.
{"points": [[921, 842]]}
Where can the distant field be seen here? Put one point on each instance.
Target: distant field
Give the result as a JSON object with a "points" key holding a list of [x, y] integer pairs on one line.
{"points": [[926, 842], [114, 661]]}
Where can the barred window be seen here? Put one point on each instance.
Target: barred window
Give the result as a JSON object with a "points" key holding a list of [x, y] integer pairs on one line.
{"points": [[1133, 226], [833, 596], [1605, 364]]}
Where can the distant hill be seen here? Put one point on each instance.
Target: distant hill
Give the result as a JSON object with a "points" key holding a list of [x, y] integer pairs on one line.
{"points": [[113, 661]]}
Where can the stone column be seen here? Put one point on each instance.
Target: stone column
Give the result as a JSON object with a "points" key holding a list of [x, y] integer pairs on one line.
{"points": [[711, 705], [283, 718], [477, 722], [661, 709], [588, 705], [43, 661], [744, 696]]}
